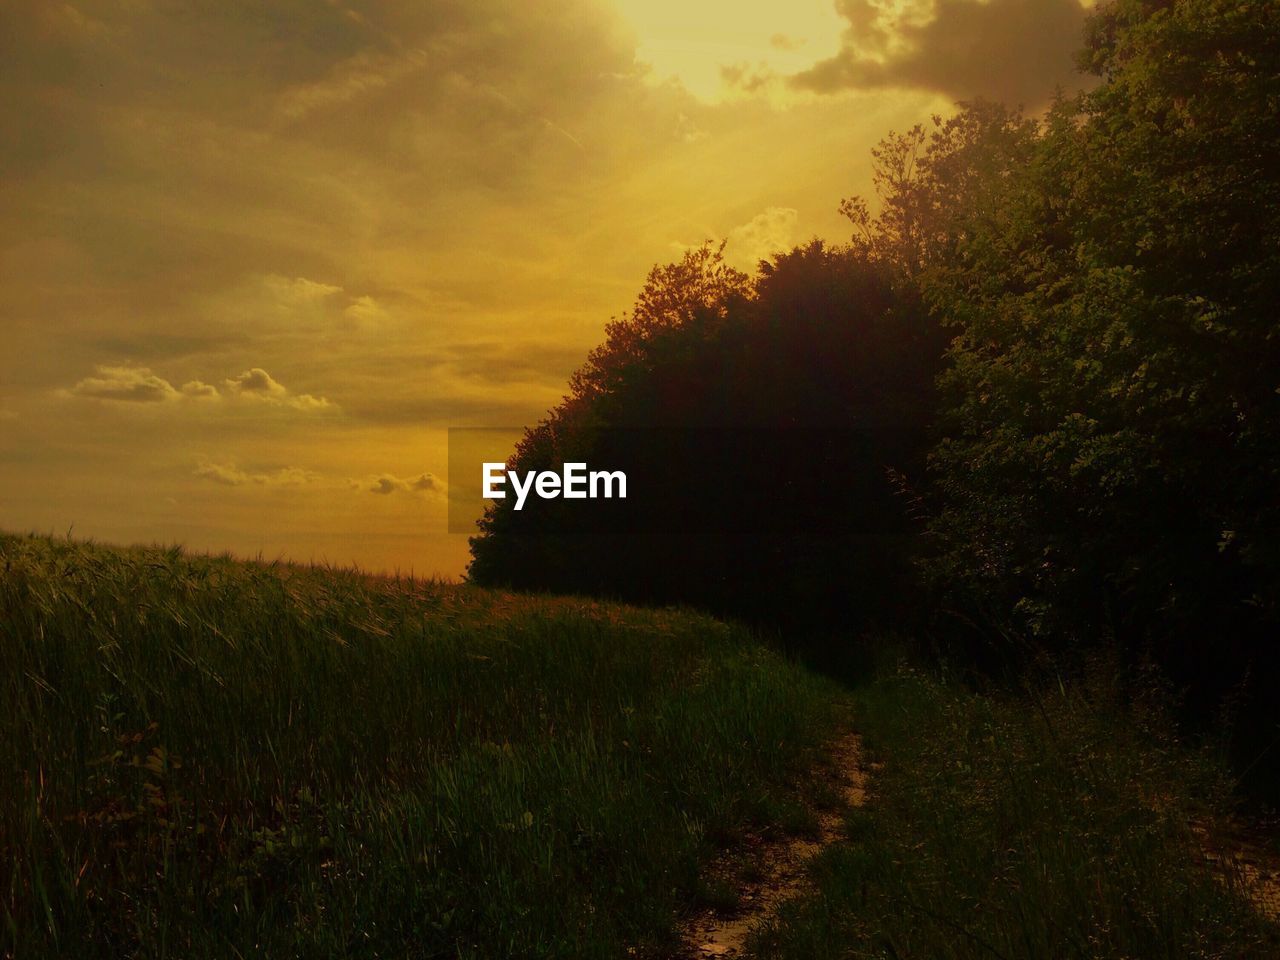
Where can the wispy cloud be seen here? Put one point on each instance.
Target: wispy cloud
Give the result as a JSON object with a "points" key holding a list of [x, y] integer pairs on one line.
{"points": [[425, 484], [771, 231], [351, 80], [135, 384], [298, 290], [231, 475], [228, 472], [765, 234]]}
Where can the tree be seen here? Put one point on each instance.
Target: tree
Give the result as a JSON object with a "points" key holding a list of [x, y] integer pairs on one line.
{"points": [[1112, 438], [763, 419]]}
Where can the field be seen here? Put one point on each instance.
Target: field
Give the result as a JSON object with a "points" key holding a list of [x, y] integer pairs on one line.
{"points": [[211, 758], [208, 758]]}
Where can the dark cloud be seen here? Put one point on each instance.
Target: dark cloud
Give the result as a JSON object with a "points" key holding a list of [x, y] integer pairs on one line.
{"points": [[1016, 51], [257, 105], [173, 148]]}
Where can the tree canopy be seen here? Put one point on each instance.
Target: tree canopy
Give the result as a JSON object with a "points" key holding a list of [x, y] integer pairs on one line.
{"points": [[801, 397], [1111, 410]]}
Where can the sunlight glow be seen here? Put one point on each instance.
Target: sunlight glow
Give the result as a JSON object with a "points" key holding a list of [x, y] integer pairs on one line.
{"points": [[695, 42]]}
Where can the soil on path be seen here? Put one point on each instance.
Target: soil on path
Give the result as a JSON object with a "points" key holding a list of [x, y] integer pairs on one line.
{"points": [[777, 867], [1244, 853]]}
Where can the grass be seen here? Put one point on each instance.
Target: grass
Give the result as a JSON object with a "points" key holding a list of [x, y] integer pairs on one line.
{"points": [[1052, 823], [206, 758]]}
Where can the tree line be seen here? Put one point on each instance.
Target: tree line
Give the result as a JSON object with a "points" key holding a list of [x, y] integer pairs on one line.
{"points": [[1055, 341]]}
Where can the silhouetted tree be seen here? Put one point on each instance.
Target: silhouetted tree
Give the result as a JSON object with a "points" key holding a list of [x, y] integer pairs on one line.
{"points": [[791, 396]]}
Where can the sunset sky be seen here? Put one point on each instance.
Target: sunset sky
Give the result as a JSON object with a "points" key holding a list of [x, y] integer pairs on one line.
{"points": [[256, 257]]}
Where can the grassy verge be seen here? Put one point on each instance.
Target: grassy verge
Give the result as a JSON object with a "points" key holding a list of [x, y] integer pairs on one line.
{"points": [[1055, 824], [205, 758]]}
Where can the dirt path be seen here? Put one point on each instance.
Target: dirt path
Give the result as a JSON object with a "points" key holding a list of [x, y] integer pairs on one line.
{"points": [[1244, 853], [776, 867]]}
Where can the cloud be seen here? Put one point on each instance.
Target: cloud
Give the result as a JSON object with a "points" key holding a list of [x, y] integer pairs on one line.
{"points": [[364, 311], [295, 307], [298, 290], [133, 384], [200, 390], [227, 474], [748, 78], [257, 384], [765, 234], [305, 401], [1015, 51], [231, 475], [126, 384], [425, 484], [769, 232]]}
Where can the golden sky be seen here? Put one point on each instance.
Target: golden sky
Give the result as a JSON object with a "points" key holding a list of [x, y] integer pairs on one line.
{"points": [[257, 255]]}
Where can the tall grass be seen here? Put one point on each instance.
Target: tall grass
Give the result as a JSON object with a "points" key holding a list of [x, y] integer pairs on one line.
{"points": [[1054, 823], [207, 758]]}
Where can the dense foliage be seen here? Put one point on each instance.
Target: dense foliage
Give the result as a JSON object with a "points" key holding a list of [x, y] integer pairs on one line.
{"points": [[778, 416], [1112, 444]]}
